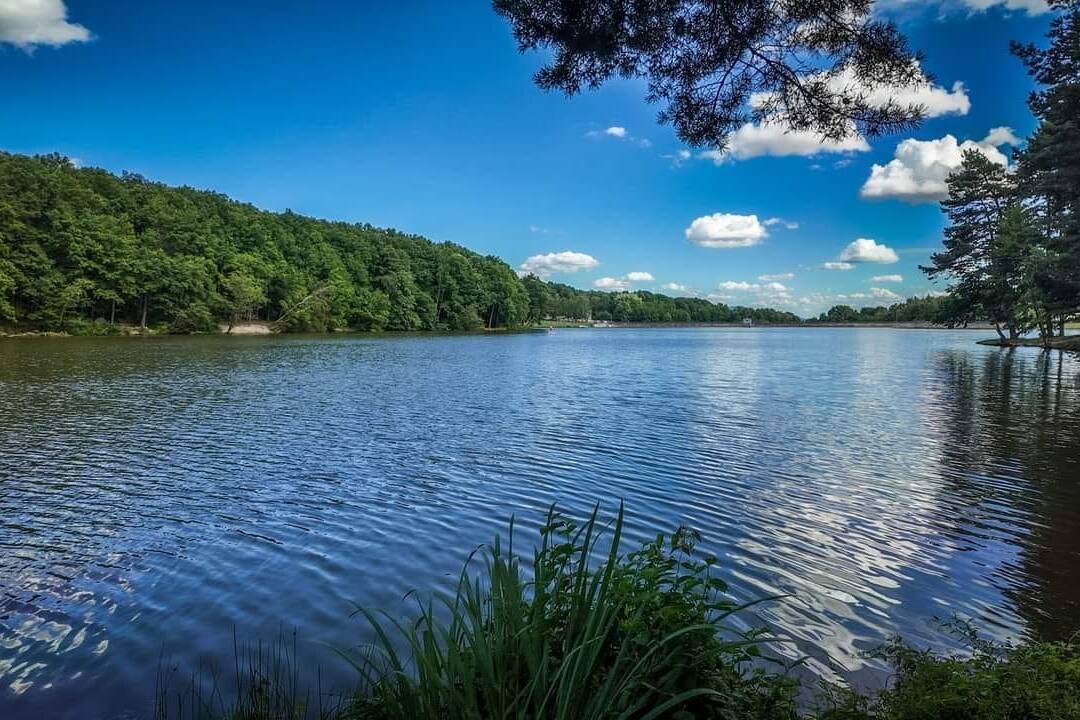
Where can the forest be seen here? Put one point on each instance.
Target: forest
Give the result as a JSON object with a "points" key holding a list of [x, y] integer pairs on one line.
{"points": [[85, 251]]}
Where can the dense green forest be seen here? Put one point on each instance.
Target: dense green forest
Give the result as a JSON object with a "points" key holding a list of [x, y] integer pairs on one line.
{"points": [[79, 245], [83, 250]]}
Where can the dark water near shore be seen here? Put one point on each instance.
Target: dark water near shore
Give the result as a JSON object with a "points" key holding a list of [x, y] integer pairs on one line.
{"points": [[162, 492]]}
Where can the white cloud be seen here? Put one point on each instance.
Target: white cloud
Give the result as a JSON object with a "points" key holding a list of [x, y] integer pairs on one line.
{"points": [[639, 277], [1031, 7], [765, 294], [619, 133], [726, 230], [1001, 136], [788, 224], [884, 294], [778, 277], [887, 279], [28, 23], [775, 138], [876, 294], [610, 283], [678, 288], [678, 158], [838, 266], [558, 262], [732, 285], [919, 168], [865, 250], [935, 100], [742, 286]]}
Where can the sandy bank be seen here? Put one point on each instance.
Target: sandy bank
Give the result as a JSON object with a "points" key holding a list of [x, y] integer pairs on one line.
{"points": [[251, 328]]}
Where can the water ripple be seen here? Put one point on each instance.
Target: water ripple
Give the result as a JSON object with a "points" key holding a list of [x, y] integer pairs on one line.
{"points": [[160, 493]]}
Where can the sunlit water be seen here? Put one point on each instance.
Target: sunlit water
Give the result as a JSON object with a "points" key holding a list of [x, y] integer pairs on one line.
{"points": [[157, 495]]}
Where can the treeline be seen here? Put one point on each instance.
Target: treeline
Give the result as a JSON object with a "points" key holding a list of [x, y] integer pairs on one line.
{"points": [[930, 309], [1012, 246], [549, 300], [84, 250], [83, 245]]}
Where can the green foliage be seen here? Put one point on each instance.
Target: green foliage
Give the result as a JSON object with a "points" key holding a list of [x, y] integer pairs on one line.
{"points": [[1049, 164], [82, 244], [588, 634], [1034, 681], [555, 301], [929, 309], [1012, 247], [705, 60], [85, 244]]}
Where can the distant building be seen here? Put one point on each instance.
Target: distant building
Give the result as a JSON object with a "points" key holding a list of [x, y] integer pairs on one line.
{"points": [[748, 322]]}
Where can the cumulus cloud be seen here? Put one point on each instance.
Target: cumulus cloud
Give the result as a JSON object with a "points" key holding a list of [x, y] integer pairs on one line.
{"points": [[677, 288], [935, 100], [778, 277], [865, 250], [619, 133], [639, 277], [763, 294], [742, 286], [876, 293], [558, 262], [726, 230], [610, 283], [776, 138], [29, 23], [887, 279], [919, 168], [838, 266]]}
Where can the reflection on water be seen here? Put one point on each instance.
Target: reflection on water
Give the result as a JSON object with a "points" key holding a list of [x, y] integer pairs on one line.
{"points": [[164, 492]]}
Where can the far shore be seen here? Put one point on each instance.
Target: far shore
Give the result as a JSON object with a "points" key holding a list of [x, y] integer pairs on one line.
{"points": [[260, 328]]}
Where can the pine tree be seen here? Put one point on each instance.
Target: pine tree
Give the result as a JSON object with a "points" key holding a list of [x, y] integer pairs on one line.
{"points": [[1049, 166]]}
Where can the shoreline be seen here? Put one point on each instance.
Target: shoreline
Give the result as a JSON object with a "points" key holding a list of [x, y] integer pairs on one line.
{"points": [[258, 329]]}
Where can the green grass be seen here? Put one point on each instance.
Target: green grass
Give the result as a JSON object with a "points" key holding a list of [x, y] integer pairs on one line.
{"points": [[586, 632]]}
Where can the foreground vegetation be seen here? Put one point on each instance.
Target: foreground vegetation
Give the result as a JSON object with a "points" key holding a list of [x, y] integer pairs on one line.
{"points": [[583, 631]]}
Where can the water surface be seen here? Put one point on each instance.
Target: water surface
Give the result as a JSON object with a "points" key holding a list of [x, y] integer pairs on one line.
{"points": [[160, 493]]}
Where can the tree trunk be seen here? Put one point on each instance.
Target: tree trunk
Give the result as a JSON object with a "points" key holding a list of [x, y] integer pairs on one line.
{"points": [[997, 326], [112, 316], [145, 302]]}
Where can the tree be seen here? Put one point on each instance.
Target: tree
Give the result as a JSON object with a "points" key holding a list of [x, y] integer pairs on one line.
{"points": [[980, 191], [244, 295], [1049, 166], [841, 314], [809, 65]]}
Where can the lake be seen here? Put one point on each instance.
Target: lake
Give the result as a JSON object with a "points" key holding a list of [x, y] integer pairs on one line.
{"points": [[158, 495]]}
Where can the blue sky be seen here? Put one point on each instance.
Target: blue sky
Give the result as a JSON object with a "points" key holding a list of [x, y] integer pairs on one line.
{"points": [[422, 116]]}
